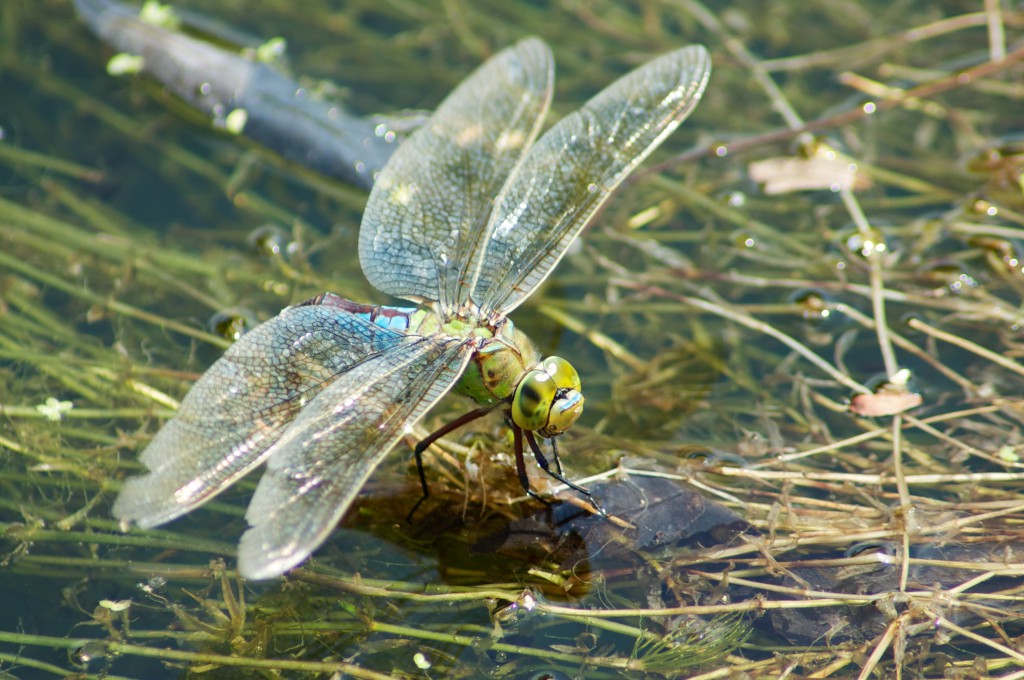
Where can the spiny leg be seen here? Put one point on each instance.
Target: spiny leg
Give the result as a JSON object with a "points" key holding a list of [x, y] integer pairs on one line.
{"points": [[543, 462], [424, 444]]}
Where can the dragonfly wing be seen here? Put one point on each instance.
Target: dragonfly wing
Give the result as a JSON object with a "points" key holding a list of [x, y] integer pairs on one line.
{"points": [[238, 409], [424, 218], [574, 167], [321, 461]]}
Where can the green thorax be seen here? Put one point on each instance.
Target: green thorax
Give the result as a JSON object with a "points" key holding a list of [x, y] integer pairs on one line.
{"points": [[504, 356], [498, 365]]}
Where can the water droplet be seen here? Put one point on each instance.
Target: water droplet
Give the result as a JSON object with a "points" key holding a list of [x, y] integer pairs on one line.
{"points": [[231, 324], [268, 240]]}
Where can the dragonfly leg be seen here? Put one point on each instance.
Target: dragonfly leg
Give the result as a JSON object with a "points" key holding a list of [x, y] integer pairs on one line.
{"points": [[554, 454], [557, 474], [424, 444], [524, 479]]}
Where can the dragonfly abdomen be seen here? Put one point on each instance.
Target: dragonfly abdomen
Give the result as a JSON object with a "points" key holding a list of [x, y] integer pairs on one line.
{"points": [[399, 319]]}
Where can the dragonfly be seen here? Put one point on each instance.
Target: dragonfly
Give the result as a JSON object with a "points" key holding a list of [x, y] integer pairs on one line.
{"points": [[468, 217]]}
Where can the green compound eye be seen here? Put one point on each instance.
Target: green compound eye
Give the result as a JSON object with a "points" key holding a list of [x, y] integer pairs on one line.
{"points": [[562, 372], [548, 399], [532, 400]]}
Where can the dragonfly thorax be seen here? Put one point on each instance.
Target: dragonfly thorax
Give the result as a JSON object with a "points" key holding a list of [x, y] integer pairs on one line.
{"points": [[503, 356]]}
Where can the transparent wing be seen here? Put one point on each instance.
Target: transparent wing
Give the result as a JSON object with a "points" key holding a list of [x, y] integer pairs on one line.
{"points": [[239, 408], [572, 170], [320, 462], [425, 214]]}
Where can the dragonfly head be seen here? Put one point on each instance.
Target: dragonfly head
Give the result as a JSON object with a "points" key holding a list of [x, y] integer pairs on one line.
{"points": [[548, 399]]}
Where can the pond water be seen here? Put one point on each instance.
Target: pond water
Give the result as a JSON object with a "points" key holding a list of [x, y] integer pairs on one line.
{"points": [[846, 202]]}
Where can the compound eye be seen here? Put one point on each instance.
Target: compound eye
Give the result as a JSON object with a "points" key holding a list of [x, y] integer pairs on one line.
{"points": [[532, 400], [565, 410], [563, 373]]}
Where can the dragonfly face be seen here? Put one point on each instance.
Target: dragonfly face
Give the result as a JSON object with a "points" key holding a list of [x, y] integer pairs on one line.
{"points": [[471, 214], [542, 396]]}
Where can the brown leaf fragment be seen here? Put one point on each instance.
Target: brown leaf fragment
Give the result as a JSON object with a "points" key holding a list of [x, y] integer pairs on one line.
{"points": [[887, 402], [824, 168]]}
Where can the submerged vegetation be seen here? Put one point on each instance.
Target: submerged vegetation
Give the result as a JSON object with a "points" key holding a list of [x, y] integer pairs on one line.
{"points": [[807, 309]]}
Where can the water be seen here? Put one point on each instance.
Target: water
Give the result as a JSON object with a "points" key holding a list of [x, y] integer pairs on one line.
{"points": [[131, 228]]}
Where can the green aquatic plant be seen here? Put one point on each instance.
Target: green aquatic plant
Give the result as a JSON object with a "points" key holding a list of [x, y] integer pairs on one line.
{"points": [[744, 323]]}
